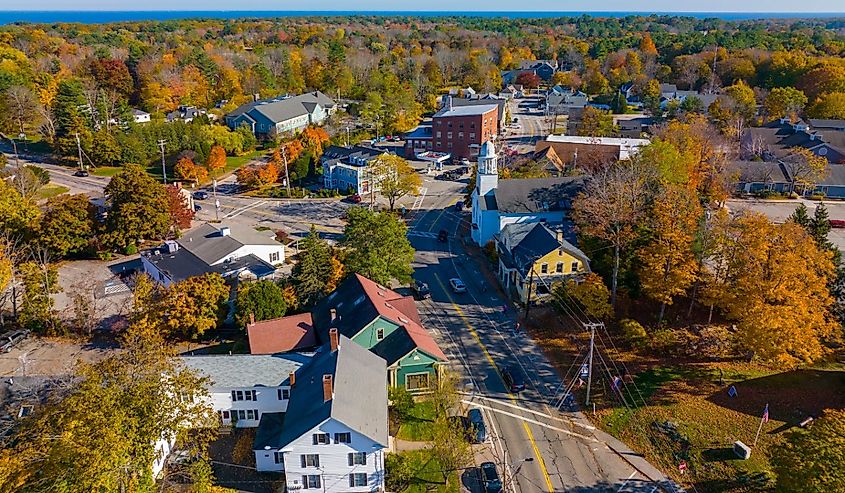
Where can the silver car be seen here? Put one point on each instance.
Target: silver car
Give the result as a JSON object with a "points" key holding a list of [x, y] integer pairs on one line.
{"points": [[457, 285]]}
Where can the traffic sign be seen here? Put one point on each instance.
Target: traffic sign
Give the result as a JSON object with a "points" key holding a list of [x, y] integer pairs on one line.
{"points": [[683, 467]]}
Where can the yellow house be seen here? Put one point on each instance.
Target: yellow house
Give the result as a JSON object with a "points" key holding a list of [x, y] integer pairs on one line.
{"points": [[533, 253]]}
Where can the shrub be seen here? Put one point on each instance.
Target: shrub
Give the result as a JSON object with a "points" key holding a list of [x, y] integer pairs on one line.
{"points": [[490, 252], [131, 249], [634, 332], [664, 341]]}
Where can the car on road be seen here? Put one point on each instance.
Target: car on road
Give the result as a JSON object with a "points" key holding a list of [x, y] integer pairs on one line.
{"points": [[457, 285], [354, 198], [459, 205], [476, 429], [513, 378], [9, 341], [462, 170], [420, 290], [442, 236], [81, 173], [200, 195], [464, 161], [197, 207], [448, 175], [490, 478]]}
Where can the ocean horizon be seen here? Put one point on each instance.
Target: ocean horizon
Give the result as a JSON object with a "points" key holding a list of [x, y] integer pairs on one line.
{"points": [[100, 17]]}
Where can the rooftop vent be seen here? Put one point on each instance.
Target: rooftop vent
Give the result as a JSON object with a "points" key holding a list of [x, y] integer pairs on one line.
{"points": [[225, 231]]}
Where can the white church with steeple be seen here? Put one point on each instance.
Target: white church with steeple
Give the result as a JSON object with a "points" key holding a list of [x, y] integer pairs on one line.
{"points": [[485, 217], [529, 200]]}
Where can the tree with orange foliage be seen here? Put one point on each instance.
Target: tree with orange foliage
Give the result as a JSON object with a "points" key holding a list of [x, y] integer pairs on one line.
{"points": [[180, 213], [186, 169], [216, 161], [267, 174], [647, 45], [313, 139], [293, 149]]}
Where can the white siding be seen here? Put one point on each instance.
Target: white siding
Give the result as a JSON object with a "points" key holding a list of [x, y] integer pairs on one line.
{"points": [[334, 470], [267, 401], [154, 273], [261, 251]]}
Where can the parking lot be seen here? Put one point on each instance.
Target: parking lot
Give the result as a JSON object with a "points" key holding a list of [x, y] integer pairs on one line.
{"points": [[780, 210]]}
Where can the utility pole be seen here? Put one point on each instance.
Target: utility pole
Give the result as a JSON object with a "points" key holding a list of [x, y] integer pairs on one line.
{"points": [[79, 149], [287, 177], [592, 327], [161, 143], [530, 285]]}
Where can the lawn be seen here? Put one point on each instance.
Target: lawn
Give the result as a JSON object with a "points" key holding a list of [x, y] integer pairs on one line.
{"points": [[107, 171], [424, 473], [417, 427], [691, 418], [235, 162], [49, 191]]}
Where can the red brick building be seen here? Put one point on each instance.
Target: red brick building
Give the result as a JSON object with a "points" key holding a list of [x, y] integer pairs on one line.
{"points": [[460, 130]]}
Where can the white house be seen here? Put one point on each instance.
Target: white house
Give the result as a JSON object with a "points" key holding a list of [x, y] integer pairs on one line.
{"points": [[333, 435], [495, 204], [346, 168], [624, 148], [245, 386], [139, 116], [232, 250]]}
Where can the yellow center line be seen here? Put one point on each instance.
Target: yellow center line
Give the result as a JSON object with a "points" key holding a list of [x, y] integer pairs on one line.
{"points": [[530, 435], [434, 223]]}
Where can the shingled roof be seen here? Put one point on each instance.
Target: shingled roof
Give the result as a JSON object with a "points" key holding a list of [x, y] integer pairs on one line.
{"points": [[537, 194]]}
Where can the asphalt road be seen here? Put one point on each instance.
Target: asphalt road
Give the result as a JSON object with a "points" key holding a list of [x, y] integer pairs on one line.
{"points": [[565, 453]]}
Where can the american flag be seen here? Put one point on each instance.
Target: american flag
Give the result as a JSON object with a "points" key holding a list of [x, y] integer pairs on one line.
{"points": [[766, 414]]}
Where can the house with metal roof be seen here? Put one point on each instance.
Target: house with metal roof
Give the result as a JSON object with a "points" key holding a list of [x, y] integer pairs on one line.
{"points": [[333, 435], [279, 115], [497, 203], [348, 168], [533, 256], [231, 251]]}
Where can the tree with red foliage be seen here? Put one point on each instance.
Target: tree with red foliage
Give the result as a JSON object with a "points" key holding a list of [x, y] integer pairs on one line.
{"points": [[529, 80], [111, 74], [178, 208]]}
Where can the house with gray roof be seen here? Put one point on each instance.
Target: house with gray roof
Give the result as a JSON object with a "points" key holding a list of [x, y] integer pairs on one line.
{"points": [[561, 100], [280, 115], [333, 435], [533, 256], [232, 251], [348, 168]]}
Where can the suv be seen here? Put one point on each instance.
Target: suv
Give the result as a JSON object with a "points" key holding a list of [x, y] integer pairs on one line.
{"points": [[459, 206], [490, 478], [513, 379], [476, 429], [420, 290], [200, 195], [8, 341]]}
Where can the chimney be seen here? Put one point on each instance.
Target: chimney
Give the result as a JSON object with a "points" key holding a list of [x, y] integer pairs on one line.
{"points": [[332, 314], [251, 318], [448, 103], [333, 339], [327, 388], [559, 234], [292, 379], [225, 231]]}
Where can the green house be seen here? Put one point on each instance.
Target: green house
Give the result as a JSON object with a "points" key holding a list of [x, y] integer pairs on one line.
{"points": [[387, 324]]}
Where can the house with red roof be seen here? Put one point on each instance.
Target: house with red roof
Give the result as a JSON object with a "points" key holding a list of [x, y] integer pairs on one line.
{"points": [[372, 316]]}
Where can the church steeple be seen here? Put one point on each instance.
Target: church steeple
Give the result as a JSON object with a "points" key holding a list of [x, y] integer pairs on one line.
{"points": [[488, 169]]}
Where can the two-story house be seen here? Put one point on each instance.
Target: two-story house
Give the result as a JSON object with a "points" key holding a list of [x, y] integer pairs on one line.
{"points": [[282, 115], [333, 435], [533, 256], [348, 168], [245, 386], [231, 251]]}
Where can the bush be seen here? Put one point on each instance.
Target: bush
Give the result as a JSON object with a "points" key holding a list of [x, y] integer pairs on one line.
{"points": [[634, 332], [131, 249], [664, 341], [491, 253]]}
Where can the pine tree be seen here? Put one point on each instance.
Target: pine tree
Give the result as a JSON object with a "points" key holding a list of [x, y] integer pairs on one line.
{"points": [[819, 227], [313, 271], [801, 216]]}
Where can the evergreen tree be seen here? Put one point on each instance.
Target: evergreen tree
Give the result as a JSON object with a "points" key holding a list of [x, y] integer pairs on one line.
{"points": [[378, 246], [819, 227], [801, 216], [263, 299], [313, 271]]}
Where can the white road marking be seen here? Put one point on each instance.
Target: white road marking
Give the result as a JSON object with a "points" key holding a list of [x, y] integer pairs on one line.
{"points": [[238, 212], [538, 413], [626, 481], [532, 421], [419, 200]]}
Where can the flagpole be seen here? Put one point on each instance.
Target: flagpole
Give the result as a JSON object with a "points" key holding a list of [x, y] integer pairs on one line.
{"points": [[759, 428]]}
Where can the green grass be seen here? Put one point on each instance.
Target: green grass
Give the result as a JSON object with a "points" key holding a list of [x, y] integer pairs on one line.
{"points": [[417, 427], [107, 171], [235, 162], [708, 421], [425, 473], [49, 191]]}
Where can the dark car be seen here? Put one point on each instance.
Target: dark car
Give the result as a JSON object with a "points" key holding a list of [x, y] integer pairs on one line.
{"points": [[81, 173], [476, 428], [197, 207], [459, 205], [420, 290], [442, 236], [513, 378], [447, 176], [354, 198], [200, 195], [490, 478]]}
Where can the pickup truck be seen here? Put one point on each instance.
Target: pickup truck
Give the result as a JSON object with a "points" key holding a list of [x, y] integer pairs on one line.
{"points": [[10, 340]]}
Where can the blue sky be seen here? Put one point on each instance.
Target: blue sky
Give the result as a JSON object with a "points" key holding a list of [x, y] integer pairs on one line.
{"points": [[808, 6]]}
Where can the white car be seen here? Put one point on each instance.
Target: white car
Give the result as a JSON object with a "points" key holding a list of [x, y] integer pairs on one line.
{"points": [[457, 285]]}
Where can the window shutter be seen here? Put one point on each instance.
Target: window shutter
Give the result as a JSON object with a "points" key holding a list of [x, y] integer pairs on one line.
{"points": [[302, 460], [364, 454], [314, 436], [304, 482], [233, 395], [352, 480], [351, 459]]}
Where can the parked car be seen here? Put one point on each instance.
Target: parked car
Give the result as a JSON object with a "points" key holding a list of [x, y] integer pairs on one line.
{"points": [[513, 378], [355, 198], [200, 195], [462, 170], [81, 173], [442, 236], [476, 429], [420, 290], [8, 341], [464, 161], [197, 207], [459, 205], [448, 176], [490, 478], [457, 285]]}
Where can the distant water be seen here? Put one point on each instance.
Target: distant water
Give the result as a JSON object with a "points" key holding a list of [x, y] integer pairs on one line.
{"points": [[97, 17]]}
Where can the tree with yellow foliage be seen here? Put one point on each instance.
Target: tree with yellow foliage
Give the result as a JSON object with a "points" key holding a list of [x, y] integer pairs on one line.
{"points": [[186, 169], [647, 46], [394, 177], [668, 266], [591, 295]]}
